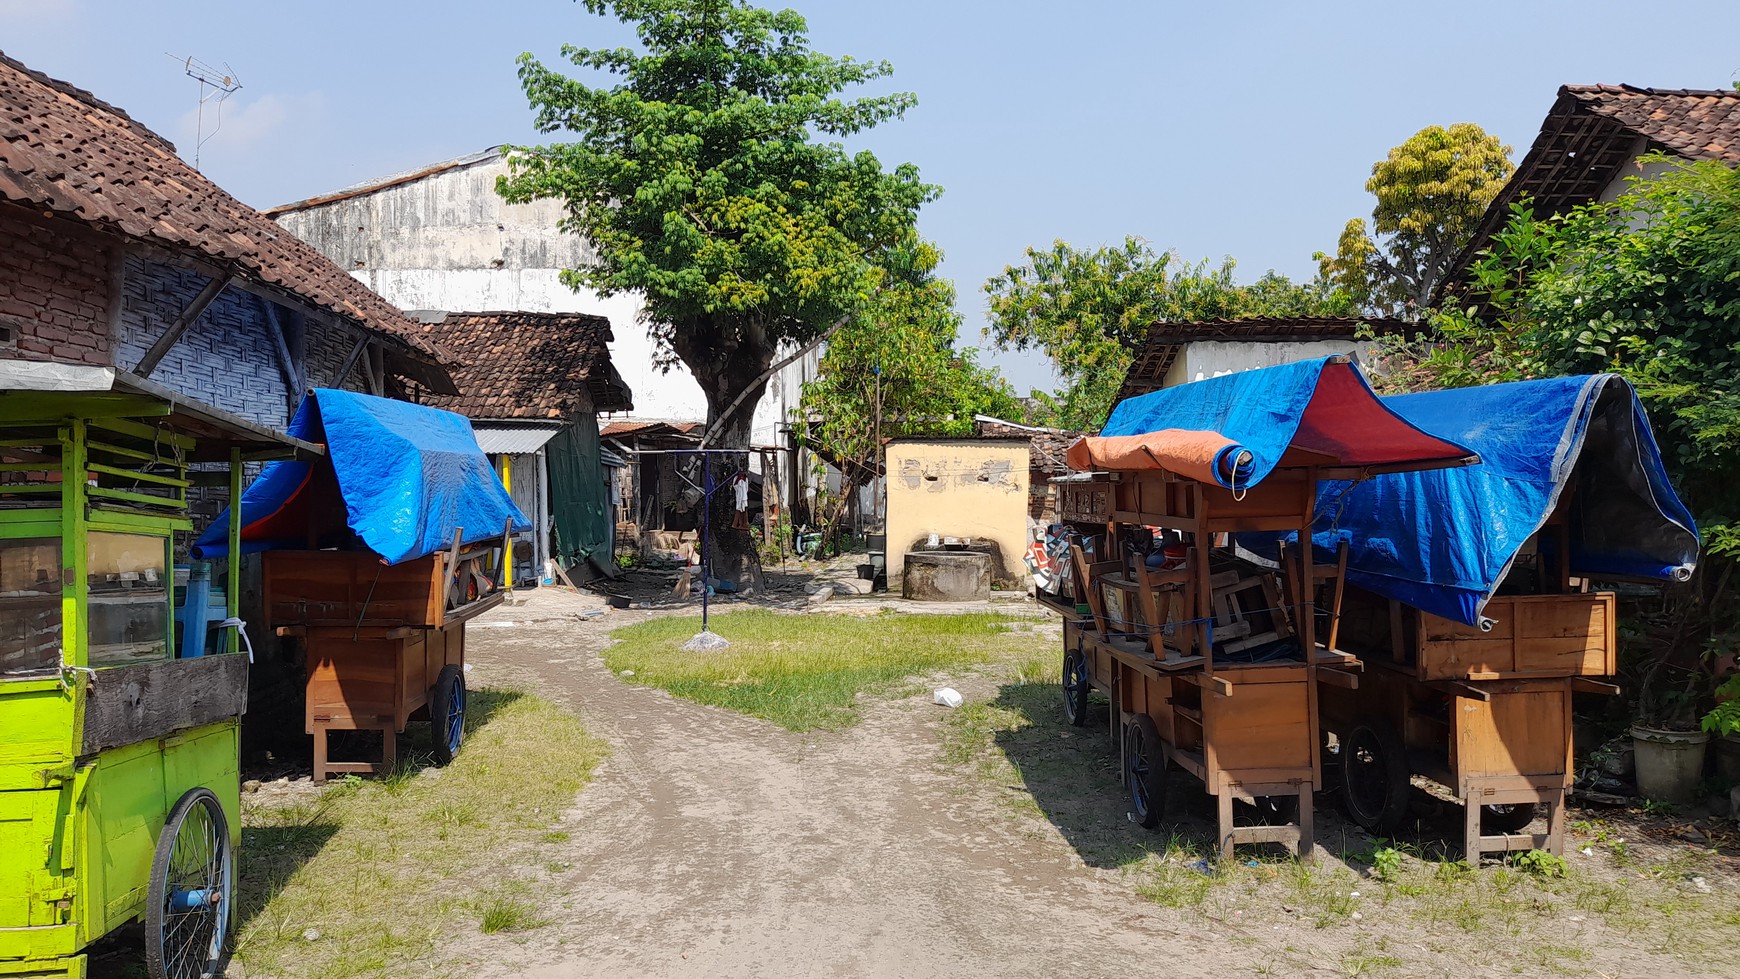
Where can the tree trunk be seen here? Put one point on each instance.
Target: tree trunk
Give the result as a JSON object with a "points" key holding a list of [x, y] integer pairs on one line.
{"points": [[728, 358]]}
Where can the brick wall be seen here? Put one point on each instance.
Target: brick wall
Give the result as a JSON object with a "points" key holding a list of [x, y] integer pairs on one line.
{"points": [[54, 290]]}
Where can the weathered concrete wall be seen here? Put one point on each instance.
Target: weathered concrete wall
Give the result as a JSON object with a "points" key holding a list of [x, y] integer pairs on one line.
{"points": [[973, 488], [447, 241], [946, 576], [1205, 359]]}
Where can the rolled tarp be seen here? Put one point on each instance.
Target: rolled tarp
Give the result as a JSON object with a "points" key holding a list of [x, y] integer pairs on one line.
{"points": [[1207, 457]]}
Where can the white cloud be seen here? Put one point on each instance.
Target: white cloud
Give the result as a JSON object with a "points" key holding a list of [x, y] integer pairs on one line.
{"points": [[239, 125], [31, 11]]}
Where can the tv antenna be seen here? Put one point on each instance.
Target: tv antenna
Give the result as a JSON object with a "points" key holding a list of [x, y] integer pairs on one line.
{"points": [[215, 85]]}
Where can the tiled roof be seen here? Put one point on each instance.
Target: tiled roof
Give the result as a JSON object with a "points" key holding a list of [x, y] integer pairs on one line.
{"points": [[1151, 360], [1592, 133], [1698, 124], [66, 151], [530, 365]]}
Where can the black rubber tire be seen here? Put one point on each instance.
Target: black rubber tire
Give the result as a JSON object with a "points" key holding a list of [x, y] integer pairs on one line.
{"points": [[1271, 810], [1504, 820], [1076, 687], [1374, 778], [447, 699], [200, 807], [1145, 771]]}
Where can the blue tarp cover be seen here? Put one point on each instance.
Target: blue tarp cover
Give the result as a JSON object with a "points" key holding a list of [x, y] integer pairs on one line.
{"points": [[405, 477], [1323, 405], [1443, 540]]}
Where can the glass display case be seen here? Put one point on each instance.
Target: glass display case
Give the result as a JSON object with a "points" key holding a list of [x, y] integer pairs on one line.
{"points": [[130, 610], [30, 604]]}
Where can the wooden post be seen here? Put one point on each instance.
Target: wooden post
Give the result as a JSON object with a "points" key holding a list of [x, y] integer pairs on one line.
{"points": [[507, 545], [75, 547], [233, 570]]}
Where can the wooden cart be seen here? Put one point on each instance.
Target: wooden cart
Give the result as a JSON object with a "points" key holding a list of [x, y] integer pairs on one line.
{"points": [[384, 644], [1164, 646], [1486, 714]]}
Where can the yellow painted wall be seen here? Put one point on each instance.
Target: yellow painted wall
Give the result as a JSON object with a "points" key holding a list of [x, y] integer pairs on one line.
{"points": [[973, 488]]}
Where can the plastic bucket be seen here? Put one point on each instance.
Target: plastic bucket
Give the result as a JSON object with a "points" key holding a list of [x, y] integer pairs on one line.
{"points": [[1670, 764]]}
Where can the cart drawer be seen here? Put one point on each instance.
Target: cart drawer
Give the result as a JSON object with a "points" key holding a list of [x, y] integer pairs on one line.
{"points": [[1532, 636]]}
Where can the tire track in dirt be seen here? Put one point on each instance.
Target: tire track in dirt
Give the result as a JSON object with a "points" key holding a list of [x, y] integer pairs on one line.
{"points": [[712, 844]]}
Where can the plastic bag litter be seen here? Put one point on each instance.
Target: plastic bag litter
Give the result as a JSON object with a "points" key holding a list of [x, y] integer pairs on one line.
{"points": [[705, 642], [948, 697]]}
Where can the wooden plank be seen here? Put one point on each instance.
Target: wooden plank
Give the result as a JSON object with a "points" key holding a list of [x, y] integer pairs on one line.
{"points": [[161, 347], [129, 704], [1511, 734]]}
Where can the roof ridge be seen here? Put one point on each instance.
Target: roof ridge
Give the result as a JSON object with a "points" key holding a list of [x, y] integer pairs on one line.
{"points": [[485, 155], [87, 97], [1629, 89]]}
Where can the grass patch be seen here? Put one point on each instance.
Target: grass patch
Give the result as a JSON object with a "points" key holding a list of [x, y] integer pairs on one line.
{"points": [[366, 878], [805, 672], [508, 910]]}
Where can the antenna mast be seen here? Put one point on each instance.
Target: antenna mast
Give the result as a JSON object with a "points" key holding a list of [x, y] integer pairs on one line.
{"points": [[215, 86]]}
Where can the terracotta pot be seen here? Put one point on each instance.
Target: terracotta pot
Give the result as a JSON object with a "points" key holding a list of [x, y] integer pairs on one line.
{"points": [[1670, 764]]}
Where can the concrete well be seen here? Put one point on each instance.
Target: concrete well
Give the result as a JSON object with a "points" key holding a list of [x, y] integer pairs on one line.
{"points": [[946, 576]]}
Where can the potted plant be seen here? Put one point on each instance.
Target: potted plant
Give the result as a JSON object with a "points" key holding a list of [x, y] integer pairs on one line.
{"points": [[1723, 723], [1666, 736]]}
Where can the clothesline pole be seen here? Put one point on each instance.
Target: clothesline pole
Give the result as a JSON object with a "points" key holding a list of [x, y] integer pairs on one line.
{"points": [[706, 556]]}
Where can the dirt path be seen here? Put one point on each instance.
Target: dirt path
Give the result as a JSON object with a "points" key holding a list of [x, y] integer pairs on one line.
{"points": [[712, 844]]}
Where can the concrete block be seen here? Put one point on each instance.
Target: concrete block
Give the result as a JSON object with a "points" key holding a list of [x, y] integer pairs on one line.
{"points": [[946, 576]]}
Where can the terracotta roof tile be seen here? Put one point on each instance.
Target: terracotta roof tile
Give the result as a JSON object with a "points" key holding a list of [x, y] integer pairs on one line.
{"points": [[64, 150], [530, 365], [1698, 124], [1590, 137]]}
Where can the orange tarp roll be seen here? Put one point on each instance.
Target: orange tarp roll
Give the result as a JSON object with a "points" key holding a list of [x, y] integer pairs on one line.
{"points": [[1187, 453]]}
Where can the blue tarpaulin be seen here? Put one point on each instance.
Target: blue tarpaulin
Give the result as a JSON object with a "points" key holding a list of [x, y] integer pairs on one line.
{"points": [[1321, 406], [403, 477], [1444, 540]]}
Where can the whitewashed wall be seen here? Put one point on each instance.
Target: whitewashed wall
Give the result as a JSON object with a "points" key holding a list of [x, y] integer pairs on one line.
{"points": [[1205, 359], [447, 241]]}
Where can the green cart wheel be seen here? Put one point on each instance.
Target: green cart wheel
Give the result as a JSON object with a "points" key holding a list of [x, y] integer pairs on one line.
{"points": [[447, 713], [190, 894]]}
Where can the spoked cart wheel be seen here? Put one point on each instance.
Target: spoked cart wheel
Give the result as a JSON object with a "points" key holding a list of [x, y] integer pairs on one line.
{"points": [[1076, 686], [188, 901], [1145, 771], [1374, 778], [447, 713]]}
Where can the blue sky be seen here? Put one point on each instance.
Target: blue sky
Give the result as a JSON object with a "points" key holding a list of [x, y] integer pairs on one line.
{"points": [[1213, 129]]}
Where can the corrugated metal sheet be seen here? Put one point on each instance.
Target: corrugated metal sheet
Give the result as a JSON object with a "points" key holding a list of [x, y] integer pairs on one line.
{"points": [[514, 439], [612, 460]]}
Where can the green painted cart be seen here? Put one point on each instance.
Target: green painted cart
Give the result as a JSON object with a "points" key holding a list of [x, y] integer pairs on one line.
{"points": [[118, 758]]}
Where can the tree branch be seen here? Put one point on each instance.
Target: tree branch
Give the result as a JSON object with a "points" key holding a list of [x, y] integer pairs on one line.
{"points": [[781, 364]]}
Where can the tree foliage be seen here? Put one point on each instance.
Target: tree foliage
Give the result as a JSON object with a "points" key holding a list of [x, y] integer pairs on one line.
{"points": [[1089, 309], [1646, 286], [895, 371], [1431, 193], [705, 183]]}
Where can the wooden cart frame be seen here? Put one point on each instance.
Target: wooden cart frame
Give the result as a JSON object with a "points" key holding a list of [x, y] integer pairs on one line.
{"points": [[1484, 713], [385, 644], [1249, 732]]}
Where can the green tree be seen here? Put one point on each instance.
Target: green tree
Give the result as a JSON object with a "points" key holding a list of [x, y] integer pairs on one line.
{"points": [[1431, 192], [700, 180], [1646, 286], [895, 371], [1089, 309]]}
